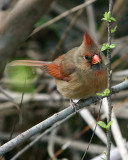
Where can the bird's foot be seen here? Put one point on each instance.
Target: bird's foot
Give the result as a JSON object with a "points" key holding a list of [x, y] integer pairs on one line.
{"points": [[74, 105], [95, 99]]}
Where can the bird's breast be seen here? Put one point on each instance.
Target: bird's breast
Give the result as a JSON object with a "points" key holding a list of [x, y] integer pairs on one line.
{"points": [[83, 85]]}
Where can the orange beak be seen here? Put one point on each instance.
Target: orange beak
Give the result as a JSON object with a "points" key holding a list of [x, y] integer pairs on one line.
{"points": [[95, 59]]}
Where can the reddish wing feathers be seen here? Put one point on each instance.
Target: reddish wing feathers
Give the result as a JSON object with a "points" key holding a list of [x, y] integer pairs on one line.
{"points": [[56, 69]]}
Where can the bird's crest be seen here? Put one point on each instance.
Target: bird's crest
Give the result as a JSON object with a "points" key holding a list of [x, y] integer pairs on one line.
{"points": [[87, 40]]}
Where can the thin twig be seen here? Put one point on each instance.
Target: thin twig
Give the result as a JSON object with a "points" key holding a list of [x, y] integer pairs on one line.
{"points": [[53, 119], [38, 138], [12, 31], [118, 10], [21, 103], [91, 125], [62, 16], [13, 128], [10, 98], [109, 83], [92, 133], [73, 21]]}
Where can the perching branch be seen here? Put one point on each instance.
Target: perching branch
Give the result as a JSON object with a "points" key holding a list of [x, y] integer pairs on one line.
{"points": [[42, 126], [39, 137]]}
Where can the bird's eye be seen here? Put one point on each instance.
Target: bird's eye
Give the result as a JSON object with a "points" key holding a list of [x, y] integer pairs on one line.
{"points": [[86, 57]]}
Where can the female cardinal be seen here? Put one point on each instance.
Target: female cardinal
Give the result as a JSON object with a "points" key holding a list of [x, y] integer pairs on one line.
{"points": [[79, 73]]}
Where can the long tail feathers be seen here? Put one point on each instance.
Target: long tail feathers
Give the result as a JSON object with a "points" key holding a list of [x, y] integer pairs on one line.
{"points": [[30, 63]]}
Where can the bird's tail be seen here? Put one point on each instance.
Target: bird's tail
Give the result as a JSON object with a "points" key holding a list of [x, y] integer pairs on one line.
{"points": [[30, 63]]}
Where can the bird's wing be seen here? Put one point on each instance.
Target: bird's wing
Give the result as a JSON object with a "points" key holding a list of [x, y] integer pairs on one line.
{"points": [[54, 68], [61, 68]]}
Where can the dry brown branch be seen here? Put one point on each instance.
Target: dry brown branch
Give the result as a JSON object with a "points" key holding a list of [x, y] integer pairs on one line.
{"points": [[73, 21], [59, 9], [63, 15], [76, 144], [91, 22], [17, 25], [10, 99]]}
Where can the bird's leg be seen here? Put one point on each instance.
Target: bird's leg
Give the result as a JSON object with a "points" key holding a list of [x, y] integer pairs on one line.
{"points": [[74, 105]]}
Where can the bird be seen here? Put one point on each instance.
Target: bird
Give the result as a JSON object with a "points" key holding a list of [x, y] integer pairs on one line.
{"points": [[79, 74]]}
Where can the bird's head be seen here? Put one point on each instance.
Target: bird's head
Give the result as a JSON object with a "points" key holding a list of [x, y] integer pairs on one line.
{"points": [[89, 55]]}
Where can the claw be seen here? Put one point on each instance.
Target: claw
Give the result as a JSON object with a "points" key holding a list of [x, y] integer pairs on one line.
{"points": [[95, 99], [74, 105]]}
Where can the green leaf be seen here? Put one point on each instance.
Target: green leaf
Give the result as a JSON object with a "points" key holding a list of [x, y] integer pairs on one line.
{"points": [[106, 14], [111, 72], [114, 29], [112, 46], [106, 92], [103, 158], [103, 19], [99, 94], [102, 124], [107, 17], [109, 124], [112, 19], [104, 47]]}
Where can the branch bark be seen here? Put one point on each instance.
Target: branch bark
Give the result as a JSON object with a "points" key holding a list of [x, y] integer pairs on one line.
{"points": [[66, 13], [109, 83], [17, 26], [55, 118]]}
